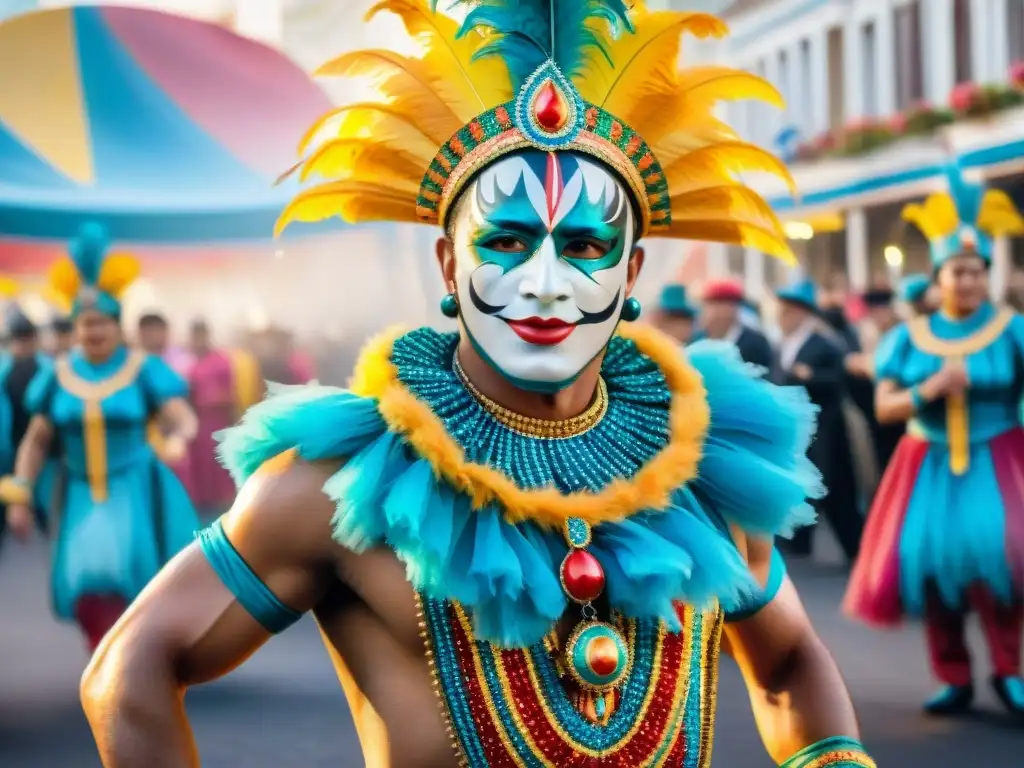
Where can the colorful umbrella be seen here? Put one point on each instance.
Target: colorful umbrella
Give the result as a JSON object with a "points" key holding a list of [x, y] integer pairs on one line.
{"points": [[166, 129]]}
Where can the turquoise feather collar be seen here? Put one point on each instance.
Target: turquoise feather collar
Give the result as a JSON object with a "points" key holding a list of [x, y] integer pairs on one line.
{"points": [[506, 575]]}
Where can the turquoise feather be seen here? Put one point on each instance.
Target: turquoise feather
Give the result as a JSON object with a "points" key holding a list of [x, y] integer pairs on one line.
{"points": [[88, 251], [527, 33], [966, 196]]}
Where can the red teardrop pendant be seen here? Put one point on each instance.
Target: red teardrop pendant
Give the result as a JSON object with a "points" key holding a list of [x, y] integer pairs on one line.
{"points": [[550, 107], [582, 576]]}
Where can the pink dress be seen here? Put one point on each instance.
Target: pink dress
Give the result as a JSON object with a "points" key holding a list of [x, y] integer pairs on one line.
{"points": [[212, 392]]}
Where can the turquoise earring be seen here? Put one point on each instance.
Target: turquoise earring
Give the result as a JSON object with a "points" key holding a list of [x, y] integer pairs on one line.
{"points": [[450, 306], [631, 310]]}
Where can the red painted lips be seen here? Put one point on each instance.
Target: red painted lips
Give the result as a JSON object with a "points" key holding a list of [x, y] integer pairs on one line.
{"points": [[542, 332]]}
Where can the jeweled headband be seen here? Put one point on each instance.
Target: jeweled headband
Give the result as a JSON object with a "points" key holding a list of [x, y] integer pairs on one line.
{"points": [[591, 76]]}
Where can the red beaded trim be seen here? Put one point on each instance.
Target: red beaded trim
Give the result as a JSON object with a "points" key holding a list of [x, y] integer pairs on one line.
{"points": [[659, 728]]}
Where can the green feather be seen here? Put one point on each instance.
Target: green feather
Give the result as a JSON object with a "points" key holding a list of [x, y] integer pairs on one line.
{"points": [[526, 33]]}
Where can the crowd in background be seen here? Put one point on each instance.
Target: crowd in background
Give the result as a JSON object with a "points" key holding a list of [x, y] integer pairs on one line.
{"points": [[822, 338]]}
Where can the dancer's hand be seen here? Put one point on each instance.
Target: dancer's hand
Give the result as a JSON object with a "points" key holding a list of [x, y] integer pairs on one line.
{"points": [[174, 449], [20, 520], [950, 380]]}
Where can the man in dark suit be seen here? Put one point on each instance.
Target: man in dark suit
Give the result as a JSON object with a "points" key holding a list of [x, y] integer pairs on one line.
{"points": [[807, 358], [721, 319]]}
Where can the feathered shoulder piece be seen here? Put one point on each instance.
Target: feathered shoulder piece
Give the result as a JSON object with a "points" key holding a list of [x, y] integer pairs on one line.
{"points": [[964, 218], [591, 76], [91, 272]]}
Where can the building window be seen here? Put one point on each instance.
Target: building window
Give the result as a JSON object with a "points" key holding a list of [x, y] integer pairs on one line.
{"points": [[962, 40], [1015, 29], [836, 85], [909, 71], [806, 116], [869, 72]]}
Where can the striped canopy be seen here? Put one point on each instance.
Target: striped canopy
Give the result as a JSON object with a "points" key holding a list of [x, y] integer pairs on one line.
{"points": [[165, 129]]}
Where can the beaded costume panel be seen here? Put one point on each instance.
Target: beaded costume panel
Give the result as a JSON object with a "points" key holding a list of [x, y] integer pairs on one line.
{"points": [[515, 707]]}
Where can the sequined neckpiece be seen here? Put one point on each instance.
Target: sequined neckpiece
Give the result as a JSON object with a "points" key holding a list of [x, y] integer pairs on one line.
{"points": [[518, 708], [634, 428]]}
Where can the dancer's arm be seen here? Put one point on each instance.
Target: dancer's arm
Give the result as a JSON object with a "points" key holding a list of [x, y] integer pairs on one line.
{"points": [[796, 691], [189, 627], [895, 405], [16, 491], [34, 449], [179, 424]]}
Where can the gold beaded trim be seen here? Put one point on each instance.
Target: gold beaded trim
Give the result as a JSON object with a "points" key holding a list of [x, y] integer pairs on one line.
{"points": [[542, 429]]}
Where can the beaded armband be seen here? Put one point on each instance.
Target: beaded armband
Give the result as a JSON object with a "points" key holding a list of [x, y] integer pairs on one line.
{"points": [[835, 752], [15, 490]]}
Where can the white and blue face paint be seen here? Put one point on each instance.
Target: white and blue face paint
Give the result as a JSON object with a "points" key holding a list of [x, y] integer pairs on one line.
{"points": [[542, 244]]}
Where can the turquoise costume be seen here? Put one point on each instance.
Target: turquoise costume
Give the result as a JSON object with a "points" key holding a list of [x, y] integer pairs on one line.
{"points": [[946, 530], [115, 531], [489, 588]]}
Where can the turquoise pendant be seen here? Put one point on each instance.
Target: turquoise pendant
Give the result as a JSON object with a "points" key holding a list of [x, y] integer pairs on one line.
{"points": [[597, 656]]}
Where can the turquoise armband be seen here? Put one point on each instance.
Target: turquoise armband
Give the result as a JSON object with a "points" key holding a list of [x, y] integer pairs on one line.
{"points": [[836, 752], [262, 604], [776, 575]]}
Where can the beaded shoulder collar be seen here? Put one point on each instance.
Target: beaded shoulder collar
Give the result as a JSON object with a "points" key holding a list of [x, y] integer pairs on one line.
{"points": [[645, 447]]}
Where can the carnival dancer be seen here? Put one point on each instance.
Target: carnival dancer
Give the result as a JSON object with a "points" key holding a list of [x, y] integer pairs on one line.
{"points": [[946, 530], [213, 395], [722, 318], [915, 292], [675, 315], [122, 514], [568, 507]]}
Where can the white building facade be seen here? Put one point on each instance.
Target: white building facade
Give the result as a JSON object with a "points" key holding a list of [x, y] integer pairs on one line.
{"points": [[847, 68]]}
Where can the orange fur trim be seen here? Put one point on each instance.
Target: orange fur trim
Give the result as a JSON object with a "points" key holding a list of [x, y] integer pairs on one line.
{"points": [[649, 489]]}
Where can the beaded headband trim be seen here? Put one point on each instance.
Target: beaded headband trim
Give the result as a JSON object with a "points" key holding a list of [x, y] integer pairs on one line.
{"points": [[549, 115]]}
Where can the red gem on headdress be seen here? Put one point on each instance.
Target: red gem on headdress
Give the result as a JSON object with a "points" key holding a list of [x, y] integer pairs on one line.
{"points": [[582, 576], [550, 107]]}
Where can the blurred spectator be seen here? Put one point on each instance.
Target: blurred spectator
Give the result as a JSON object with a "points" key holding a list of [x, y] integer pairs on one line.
{"points": [[675, 314], [213, 395], [721, 318], [809, 359], [63, 331], [154, 336]]}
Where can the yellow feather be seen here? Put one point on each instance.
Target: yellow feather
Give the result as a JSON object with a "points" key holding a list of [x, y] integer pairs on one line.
{"points": [[352, 201], [998, 215], [734, 202], [481, 84], [411, 87], [735, 233], [119, 271], [376, 122], [669, 149], [64, 279], [645, 62], [936, 217], [712, 165], [8, 288], [698, 94], [357, 158]]}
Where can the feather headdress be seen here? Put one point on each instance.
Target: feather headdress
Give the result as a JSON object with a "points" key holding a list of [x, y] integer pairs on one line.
{"points": [[964, 219], [591, 76], [91, 277]]}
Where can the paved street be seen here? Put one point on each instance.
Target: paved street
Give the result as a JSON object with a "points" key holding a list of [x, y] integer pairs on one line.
{"points": [[284, 707]]}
